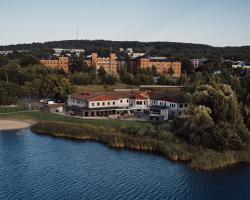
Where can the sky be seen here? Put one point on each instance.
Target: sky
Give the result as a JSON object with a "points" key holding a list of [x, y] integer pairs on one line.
{"points": [[213, 22]]}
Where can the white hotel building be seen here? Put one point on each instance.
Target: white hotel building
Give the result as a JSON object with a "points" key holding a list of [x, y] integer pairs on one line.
{"points": [[154, 106]]}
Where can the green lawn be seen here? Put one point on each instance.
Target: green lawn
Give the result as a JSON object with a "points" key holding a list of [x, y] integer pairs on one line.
{"points": [[14, 109], [49, 117]]}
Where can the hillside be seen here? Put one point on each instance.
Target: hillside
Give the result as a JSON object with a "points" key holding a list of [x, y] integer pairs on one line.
{"points": [[152, 48]]}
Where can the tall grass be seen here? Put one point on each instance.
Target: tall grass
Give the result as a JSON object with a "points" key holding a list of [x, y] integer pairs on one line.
{"points": [[145, 138]]}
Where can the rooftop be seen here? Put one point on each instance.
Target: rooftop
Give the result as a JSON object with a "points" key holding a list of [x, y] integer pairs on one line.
{"points": [[140, 95]]}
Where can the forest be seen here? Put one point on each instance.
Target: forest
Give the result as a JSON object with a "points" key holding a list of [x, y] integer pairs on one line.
{"points": [[152, 48]]}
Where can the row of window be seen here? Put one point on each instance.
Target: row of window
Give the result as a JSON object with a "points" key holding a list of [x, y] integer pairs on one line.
{"points": [[104, 103], [183, 105], [140, 102], [77, 101], [107, 103], [172, 105]]}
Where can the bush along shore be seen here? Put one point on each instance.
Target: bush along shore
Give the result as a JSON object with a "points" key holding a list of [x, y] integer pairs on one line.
{"points": [[148, 138]]}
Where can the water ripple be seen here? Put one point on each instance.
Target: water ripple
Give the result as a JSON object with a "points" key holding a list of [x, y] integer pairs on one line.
{"points": [[39, 167]]}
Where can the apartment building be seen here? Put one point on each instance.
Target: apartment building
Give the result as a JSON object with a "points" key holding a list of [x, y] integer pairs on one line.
{"points": [[162, 65], [60, 63], [110, 63]]}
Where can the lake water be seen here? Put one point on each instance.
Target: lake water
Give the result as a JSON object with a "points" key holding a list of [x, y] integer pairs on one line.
{"points": [[41, 167]]}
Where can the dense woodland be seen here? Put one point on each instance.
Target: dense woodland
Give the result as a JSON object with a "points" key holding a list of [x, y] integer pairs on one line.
{"points": [[151, 48], [219, 115]]}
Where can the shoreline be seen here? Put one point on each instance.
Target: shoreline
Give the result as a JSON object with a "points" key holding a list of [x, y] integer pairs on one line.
{"points": [[9, 125], [197, 158]]}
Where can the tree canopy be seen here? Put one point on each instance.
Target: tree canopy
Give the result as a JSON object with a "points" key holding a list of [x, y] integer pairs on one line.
{"points": [[215, 118]]}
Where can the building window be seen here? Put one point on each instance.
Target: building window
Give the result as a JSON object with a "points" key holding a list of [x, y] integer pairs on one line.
{"points": [[113, 103], [93, 104], [103, 103], [127, 100], [121, 101], [98, 104], [144, 102], [138, 102], [108, 103], [181, 105]]}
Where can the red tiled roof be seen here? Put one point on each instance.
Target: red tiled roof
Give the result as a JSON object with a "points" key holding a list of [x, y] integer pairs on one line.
{"points": [[138, 96], [141, 95], [102, 98], [175, 97], [97, 96]]}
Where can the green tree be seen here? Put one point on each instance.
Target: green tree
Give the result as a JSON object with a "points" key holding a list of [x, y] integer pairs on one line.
{"points": [[78, 65], [215, 118], [55, 87], [171, 71], [28, 59], [9, 93], [102, 72]]}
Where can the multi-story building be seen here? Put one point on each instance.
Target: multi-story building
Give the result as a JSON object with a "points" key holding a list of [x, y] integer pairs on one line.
{"points": [[100, 104], [58, 51], [152, 106], [175, 103], [162, 65], [60, 63], [110, 63]]}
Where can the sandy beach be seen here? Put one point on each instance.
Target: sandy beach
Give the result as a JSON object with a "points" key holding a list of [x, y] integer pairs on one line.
{"points": [[13, 125]]}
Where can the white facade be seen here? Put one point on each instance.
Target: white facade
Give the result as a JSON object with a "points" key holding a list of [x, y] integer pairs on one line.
{"points": [[59, 51], [139, 104], [174, 109], [136, 55], [76, 102], [158, 114], [120, 103], [162, 108]]}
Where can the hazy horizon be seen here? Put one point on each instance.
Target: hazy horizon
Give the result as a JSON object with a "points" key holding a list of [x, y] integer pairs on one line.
{"points": [[215, 23]]}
